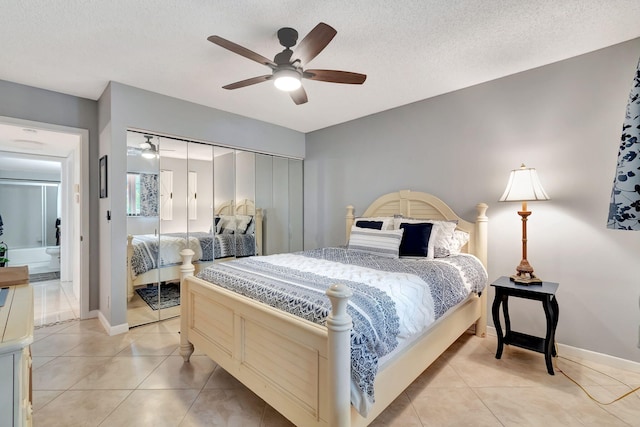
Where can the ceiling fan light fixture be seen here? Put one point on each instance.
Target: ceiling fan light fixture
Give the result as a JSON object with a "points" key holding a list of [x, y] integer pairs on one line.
{"points": [[287, 80], [149, 154]]}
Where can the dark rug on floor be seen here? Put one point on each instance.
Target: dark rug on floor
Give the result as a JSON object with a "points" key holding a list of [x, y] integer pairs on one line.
{"points": [[41, 277], [169, 295]]}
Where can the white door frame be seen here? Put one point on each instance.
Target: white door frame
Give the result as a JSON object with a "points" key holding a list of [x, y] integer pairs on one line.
{"points": [[80, 191]]}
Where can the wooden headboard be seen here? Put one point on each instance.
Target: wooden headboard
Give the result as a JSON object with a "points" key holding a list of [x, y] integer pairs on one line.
{"points": [[242, 207], [415, 204], [245, 207]]}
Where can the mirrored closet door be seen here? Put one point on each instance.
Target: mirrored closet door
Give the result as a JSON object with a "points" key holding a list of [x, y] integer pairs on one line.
{"points": [[222, 203], [143, 227], [278, 189], [245, 209], [174, 222], [224, 162]]}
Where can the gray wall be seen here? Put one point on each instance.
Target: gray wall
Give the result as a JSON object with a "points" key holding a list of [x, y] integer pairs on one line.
{"points": [[29, 103], [564, 119], [124, 107]]}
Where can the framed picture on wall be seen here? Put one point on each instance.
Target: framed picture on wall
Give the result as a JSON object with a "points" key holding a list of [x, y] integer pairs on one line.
{"points": [[103, 177]]}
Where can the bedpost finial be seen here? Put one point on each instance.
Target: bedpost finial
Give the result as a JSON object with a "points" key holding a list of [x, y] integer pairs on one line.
{"points": [[339, 295], [338, 290], [187, 267], [350, 219], [482, 210], [187, 254]]}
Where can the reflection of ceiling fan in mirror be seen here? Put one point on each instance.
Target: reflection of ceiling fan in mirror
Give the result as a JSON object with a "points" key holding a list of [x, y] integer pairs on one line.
{"points": [[287, 69], [147, 149]]}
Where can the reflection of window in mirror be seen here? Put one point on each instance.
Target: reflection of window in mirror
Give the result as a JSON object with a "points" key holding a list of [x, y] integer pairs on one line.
{"points": [[142, 194], [166, 195], [192, 201], [133, 194]]}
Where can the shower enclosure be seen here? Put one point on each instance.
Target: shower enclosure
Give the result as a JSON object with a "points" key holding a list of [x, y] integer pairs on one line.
{"points": [[29, 211]]}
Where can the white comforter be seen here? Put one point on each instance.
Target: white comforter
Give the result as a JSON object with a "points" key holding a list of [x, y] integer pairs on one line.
{"points": [[410, 293]]}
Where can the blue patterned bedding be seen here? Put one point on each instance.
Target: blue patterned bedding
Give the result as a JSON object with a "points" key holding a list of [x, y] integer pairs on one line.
{"points": [[392, 298], [149, 252]]}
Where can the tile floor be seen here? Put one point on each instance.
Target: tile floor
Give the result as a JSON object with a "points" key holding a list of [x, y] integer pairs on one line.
{"points": [[139, 312], [54, 302], [82, 377]]}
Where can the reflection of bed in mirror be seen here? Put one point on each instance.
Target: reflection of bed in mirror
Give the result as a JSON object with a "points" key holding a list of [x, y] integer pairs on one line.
{"points": [[152, 258], [301, 367], [246, 224]]}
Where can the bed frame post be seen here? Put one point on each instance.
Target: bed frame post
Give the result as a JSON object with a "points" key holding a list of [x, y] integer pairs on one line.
{"points": [[482, 225], [350, 219], [186, 270], [258, 222], [129, 267], [339, 356]]}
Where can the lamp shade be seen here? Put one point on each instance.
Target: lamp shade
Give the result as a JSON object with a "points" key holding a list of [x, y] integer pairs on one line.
{"points": [[524, 185]]}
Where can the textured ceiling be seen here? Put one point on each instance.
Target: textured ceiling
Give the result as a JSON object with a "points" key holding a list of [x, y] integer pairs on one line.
{"points": [[410, 50]]}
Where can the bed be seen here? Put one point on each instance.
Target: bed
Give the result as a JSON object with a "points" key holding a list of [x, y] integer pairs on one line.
{"points": [[152, 258], [303, 369]]}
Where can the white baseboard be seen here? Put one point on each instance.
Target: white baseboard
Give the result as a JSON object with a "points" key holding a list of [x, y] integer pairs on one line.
{"points": [[91, 315], [112, 330], [588, 355]]}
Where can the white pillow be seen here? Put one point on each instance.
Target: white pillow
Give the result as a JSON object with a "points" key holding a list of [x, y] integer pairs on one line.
{"points": [[460, 238], [384, 243], [387, 221], [242, 222], [226, 224], [441, 235]]}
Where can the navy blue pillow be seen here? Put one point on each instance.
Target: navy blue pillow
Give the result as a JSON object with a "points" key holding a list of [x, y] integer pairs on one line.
{"points": [[415, 240], [376, 225]]}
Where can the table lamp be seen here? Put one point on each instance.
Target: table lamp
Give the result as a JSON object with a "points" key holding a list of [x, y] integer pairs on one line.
{"points": [[524, 186]]}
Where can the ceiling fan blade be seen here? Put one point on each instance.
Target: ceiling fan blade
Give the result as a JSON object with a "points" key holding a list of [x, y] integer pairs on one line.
{"points": [[335, 76], [299, 96], [243, 51], [314, 43], [248, 82]]}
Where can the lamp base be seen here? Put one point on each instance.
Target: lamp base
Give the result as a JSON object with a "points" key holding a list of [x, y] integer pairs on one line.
{"points": [[524, 275], [525, 279]]}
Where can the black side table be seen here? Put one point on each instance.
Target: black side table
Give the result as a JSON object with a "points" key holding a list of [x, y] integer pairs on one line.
{"points": [[544, 292]]}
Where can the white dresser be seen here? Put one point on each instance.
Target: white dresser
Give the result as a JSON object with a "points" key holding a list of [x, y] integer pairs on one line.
{"points": [[16, 336]]}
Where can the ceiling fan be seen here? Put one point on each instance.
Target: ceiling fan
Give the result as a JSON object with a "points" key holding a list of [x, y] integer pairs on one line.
{"points": [[287, 67], [146, 149]]}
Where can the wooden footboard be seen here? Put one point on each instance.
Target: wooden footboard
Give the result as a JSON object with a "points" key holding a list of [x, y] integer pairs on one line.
{"points": [[300, 368]]}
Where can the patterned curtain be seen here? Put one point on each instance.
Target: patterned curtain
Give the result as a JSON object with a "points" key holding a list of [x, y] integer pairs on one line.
{"points": [[148, 194], [624, 209]]}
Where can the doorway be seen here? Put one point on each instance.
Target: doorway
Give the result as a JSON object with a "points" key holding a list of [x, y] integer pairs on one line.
{"points": [[23, 142]]}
